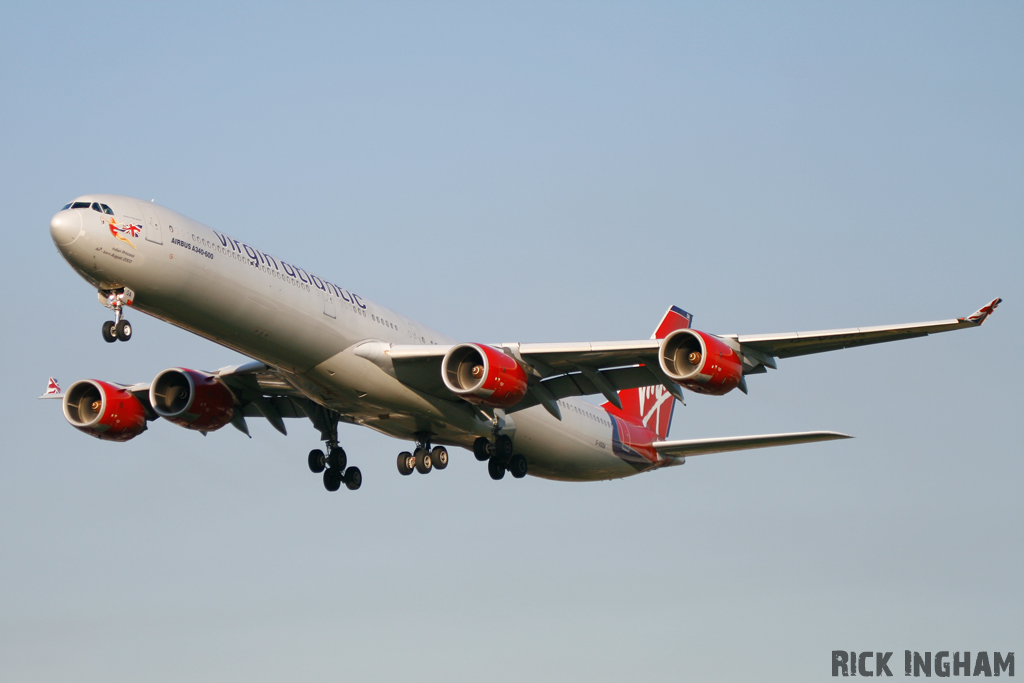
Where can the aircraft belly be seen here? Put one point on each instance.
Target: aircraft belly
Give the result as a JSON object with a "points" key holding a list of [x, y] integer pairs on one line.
{"points": [[567, 450]]}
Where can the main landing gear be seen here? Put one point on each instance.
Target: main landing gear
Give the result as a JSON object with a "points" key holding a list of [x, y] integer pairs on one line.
{"points": [[500, 457], [333, 462], [117, 329], [423, 458]]}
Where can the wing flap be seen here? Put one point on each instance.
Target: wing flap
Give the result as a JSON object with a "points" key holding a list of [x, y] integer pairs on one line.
{"points": [[578, 384], [682, 449]]}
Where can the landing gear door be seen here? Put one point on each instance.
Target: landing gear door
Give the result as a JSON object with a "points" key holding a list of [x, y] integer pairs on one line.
{"points": [[153, 233]]}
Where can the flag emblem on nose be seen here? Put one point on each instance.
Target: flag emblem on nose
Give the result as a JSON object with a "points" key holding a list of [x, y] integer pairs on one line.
{"points": [[119, 231]]}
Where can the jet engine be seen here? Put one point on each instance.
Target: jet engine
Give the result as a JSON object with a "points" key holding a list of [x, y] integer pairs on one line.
{"points": [[700, 362], [104, 410], [191, 399], [483, 375]]}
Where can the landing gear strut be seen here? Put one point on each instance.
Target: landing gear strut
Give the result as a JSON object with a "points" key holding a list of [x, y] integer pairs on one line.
{"points": [[333, 462], [117, 329], [424, 458]]}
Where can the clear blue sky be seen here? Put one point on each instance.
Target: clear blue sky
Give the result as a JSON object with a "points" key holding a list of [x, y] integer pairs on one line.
{"points": [[531, 172]]}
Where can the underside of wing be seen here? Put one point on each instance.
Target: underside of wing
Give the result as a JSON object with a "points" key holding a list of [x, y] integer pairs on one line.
{"points": [[682, 449], [262, 391], [561, 370], [555, 371], [790, 344]]}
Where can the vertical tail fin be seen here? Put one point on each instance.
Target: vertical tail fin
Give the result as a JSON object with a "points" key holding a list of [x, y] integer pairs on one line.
{"points": [[653, 405]]}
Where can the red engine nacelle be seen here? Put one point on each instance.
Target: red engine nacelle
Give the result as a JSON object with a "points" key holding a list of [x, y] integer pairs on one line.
{"points": [[192, 399], [483, 375], [700, 362], [104, 410]]}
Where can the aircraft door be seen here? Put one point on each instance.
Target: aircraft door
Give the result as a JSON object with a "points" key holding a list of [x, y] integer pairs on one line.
{"points": [[329, 305], [153, 233]]}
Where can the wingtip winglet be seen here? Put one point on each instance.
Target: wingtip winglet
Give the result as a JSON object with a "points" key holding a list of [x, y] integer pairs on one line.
{"points": [[979, 316], [53, 390]]}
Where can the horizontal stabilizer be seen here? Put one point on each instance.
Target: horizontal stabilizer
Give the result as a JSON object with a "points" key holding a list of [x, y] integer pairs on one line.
{"points": [[682, 449]]}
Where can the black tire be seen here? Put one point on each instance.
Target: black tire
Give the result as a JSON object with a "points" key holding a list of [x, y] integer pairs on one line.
{"points": [[480, 448], [317, 461], [503, 447], [123, 330], [423, 461], [109, 333], [517, 466], [439, 457], [495, 469], [353, 478], [332, 479], [406, 463], [337, 459]]}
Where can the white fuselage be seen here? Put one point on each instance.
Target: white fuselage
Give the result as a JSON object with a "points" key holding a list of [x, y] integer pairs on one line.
{"points": [[308, 328]]}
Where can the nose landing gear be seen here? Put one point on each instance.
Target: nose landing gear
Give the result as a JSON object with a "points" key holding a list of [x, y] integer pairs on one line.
{"points": [[117, 329]]}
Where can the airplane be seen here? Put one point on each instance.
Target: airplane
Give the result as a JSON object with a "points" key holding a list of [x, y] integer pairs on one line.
{"points": [[323, 352]]}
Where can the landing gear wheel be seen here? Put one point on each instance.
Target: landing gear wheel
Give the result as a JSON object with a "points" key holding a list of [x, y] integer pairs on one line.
{"points": [[495, 469], [480, 448], [337, 459], [517, 466], [123, 330], [332, 479], [503, 447], [317, 461], [406, 463], [439, 457], [353, 478], [423, 461], [109, 332]]}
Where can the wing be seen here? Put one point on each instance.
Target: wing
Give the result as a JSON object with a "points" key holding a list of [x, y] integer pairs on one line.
{"points": [[802, 343], [556, 370], [258, 390], [682, 449], [562, 370], [262, 391]]}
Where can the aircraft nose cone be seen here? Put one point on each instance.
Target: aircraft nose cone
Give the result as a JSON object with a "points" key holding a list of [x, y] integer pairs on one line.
{"points": [[65, 227]]}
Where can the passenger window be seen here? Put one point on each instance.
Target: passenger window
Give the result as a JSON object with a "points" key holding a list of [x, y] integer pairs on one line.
{"points": [[107, 209], [66, 206], [80, 205]]}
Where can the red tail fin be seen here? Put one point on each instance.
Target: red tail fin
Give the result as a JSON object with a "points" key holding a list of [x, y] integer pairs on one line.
{"points": [[653, 406]]}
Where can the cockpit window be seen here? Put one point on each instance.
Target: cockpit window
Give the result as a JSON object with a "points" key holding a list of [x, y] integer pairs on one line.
{"points": [[107, 209], [96, 207], [66, 206], [80, 205]]}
